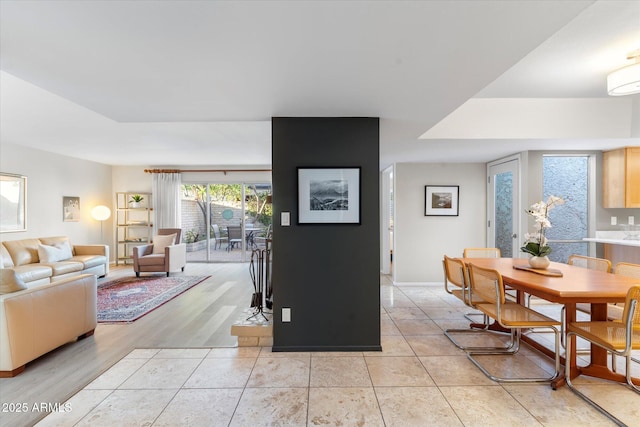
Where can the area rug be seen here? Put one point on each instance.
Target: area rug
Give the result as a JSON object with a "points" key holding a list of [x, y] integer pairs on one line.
{"points": [[130, 298]]}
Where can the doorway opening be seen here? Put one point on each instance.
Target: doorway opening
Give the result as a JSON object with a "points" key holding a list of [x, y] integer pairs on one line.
{"points": [[224, 222]]}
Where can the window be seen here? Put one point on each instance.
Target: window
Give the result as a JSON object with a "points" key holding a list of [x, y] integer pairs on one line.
{"points": [[567, 177]]}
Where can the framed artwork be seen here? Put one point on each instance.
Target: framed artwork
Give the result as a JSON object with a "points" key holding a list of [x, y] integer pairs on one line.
{"points": [[70, 209], [13, 203], [441, 200], [329, 195]]}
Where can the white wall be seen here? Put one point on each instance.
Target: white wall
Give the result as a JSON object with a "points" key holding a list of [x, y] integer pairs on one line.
{"points": [[421, 241], [49, 178]]}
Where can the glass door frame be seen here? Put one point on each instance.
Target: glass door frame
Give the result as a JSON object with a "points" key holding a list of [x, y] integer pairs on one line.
{"points": [[514, 165]]}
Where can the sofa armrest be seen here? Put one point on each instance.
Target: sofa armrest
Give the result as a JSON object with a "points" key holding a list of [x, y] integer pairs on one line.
{"points": [[175, 256], [35, 321], [91, 250], [142, 250]]}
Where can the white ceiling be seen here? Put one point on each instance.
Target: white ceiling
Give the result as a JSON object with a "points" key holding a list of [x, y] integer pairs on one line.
{"points": [[180, 83]]}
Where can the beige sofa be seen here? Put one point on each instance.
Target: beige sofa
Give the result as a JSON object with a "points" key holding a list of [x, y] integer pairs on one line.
{"points": [[43, 260], [36, 320]]}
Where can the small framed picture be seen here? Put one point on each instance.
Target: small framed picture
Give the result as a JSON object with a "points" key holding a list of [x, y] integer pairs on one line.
{"points": [[329, 195], [70, 209], [441, 200]]}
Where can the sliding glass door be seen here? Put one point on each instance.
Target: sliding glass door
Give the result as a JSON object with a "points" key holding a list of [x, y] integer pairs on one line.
{"points": [[223, 222]]}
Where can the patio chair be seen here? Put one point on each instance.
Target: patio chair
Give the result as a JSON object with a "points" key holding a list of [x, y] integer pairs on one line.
{"points": [[219, 238], [617, 337], [487, 284], [235, 236], [263, 241]]}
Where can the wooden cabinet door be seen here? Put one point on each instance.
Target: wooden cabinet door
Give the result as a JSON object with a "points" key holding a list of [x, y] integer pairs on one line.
{"points": [[632, 179]]}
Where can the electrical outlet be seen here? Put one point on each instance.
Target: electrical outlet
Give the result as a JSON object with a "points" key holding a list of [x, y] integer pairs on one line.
{"points": [[614, 220], [632, 220], [286, 315]]}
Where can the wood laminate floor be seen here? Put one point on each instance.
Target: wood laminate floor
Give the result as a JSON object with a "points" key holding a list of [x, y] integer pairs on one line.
{"points": [[200, 317]]}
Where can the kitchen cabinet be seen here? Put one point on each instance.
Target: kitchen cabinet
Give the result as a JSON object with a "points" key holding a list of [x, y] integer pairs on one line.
{"points": [[621, 178]]}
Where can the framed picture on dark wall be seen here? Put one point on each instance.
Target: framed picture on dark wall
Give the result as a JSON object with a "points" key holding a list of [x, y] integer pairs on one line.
{"points": [[441, 200], [329, 195]]}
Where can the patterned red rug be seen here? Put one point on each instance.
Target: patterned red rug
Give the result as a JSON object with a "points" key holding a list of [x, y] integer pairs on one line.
{"points": [[130, 298]]}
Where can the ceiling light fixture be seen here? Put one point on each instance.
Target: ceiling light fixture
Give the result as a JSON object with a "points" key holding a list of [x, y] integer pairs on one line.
{"points": [[626, 80]]}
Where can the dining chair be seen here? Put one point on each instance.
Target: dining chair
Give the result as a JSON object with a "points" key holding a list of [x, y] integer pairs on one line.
{"points": [[599, 264], [488, 285], [615, 310], [617, 337], [219, 238], [456, 283], [481, 253]]}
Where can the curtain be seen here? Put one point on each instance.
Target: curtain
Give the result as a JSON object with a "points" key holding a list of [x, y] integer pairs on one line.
{"points": [[166, 200]]}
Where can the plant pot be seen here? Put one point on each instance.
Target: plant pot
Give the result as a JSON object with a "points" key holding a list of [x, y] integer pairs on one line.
{"points": [[539, 262], [134, 204]]}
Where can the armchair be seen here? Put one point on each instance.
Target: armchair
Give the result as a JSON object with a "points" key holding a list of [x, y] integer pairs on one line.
{"points": [[163, 255]]}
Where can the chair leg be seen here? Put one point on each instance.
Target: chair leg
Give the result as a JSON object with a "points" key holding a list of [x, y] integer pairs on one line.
{"points": [[567, 377], [137, 274], [167, 274], [516, 333], [508, 349]]}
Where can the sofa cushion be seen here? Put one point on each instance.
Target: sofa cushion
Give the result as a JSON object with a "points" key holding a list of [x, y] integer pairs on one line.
{"points": [[153, 259], [90, 260], [10, 281], [161, 242], [23, 251], [65, 267], [57, 241], [32, 272], [5, 258], [54, 253]]}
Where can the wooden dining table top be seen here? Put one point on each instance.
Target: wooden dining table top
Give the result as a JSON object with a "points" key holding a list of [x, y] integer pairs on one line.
{"points": [[577, 284]]}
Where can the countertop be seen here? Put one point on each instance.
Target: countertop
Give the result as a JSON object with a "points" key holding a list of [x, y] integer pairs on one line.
{"points": [[612, 238], [614, 241]]}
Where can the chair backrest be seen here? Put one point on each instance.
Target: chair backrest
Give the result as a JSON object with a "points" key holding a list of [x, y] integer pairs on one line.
{"points": [[481, 253], [235, 232], [483, 283], [632, 295], [628, 269], [454, 272], [216, 231], [591, 263], [168, 231]]}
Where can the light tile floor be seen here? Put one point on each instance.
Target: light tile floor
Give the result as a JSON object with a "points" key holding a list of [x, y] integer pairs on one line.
{"points": [[419, 379]]}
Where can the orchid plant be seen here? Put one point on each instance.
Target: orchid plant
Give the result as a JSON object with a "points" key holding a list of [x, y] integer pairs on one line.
{"points": [[536, 243]]}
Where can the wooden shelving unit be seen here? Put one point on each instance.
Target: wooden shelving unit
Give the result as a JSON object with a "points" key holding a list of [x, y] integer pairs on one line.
{"points": [[134, 224]]}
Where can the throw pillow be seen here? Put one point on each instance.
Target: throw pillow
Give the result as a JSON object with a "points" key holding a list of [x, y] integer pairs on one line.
{"points": [[161, 242], [59, 252], [10, 282]]}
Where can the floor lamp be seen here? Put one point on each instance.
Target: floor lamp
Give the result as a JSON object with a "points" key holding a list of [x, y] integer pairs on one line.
{"points": [[101, 213]]}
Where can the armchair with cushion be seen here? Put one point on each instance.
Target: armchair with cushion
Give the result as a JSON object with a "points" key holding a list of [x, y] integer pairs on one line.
{"points": [[165, 254]]}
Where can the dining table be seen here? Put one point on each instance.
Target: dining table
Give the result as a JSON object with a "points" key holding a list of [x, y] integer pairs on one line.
{"points": [[567, 285]]}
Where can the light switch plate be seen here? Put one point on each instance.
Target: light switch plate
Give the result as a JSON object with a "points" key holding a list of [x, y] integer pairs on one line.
{"points": [[286, 315], [285, 219], [614, 220], [632, 220]]}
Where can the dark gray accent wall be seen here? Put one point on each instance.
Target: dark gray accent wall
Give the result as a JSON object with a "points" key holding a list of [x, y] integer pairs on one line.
{"points": [[329, 275]]}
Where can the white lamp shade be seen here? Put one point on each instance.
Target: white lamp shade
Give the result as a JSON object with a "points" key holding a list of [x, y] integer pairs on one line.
{"points": [[101, 213], [625, 81]]}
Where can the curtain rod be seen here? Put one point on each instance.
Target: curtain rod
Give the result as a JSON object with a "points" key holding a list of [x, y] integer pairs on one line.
{"points": [[204, 170]]}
